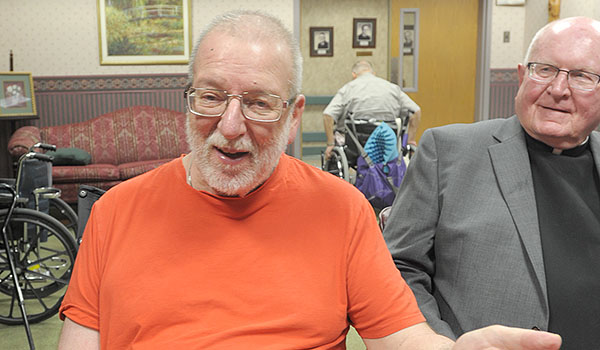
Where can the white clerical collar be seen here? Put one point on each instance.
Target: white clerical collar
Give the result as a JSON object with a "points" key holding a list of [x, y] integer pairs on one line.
{"points": [[559, 151]]}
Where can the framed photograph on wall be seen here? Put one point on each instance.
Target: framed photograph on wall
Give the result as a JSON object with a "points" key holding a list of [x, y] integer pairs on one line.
{"points": [[321, 41], [16, 95], [145, 34], [510, 2], [364, 33], [408, 42]]}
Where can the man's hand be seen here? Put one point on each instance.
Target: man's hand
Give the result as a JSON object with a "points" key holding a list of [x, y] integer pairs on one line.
{"points": [[328, 151], [507, 338]]}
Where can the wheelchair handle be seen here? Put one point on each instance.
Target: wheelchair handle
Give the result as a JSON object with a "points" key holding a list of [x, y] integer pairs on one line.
{"points": [[44, 146], [40, 156]]}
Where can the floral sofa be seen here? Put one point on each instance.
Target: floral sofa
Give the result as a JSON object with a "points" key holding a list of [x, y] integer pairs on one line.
{"points": [[122, 144]]}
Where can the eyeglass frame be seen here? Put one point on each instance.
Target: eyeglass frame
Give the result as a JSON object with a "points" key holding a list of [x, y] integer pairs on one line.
{"points": [[286, 103], [558, 70]]}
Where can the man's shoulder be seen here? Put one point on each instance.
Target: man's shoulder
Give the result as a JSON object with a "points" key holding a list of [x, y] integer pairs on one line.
{"points": [[157, 178], [480, 128], [471, 137], [310, 179]]}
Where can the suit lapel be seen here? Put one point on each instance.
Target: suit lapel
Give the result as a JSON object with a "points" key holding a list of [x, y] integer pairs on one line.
{"points": [[510, 161]]}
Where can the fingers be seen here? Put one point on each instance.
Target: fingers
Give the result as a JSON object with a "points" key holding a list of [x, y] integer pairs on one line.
{"points": [[508, 338]]}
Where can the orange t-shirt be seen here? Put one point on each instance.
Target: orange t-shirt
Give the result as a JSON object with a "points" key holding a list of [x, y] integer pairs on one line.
{"points": [[290, 266]]}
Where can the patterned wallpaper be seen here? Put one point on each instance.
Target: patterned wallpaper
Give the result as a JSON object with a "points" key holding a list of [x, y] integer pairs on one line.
{"points": [[523, 22], [580, 7], [60, 37]]}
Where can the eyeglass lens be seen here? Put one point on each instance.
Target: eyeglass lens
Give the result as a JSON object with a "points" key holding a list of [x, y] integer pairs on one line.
{"points": [[577, 79], [255, 106]]}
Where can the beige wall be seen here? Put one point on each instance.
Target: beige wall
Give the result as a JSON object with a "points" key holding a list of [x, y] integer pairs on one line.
{"points": [[325, 75], [60, 37], [523, 22], [511, 19]]}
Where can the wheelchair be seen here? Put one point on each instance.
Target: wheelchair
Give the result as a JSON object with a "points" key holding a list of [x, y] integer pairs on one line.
{"points": [[37, 250], [343, 160]]}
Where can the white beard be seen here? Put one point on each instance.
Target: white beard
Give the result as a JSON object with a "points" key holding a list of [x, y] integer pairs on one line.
{"points": [[236, 180]]}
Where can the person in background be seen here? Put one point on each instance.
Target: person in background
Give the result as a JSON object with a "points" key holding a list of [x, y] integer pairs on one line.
{"points": [[367, 96], [499, 221], [236, 245]]}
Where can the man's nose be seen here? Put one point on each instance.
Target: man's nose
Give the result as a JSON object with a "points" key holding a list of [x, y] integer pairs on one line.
{"points": [[233, 123], [559, 86]]}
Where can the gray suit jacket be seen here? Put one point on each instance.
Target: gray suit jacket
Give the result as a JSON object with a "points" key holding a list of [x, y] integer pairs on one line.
{"points": [[464, 232]]}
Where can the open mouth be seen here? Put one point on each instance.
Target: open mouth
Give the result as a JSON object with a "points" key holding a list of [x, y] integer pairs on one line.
{"points": [[232, 155]]}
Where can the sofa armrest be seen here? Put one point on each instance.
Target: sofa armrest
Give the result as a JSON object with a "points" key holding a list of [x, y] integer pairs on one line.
{"points": [[22, 139]]}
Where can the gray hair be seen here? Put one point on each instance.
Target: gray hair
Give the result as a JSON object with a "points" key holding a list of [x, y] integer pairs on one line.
{"points": [[262, 26], [361, 67]]}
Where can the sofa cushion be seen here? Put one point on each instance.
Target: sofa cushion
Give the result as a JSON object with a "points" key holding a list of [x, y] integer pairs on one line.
{"points": [[85, 173], [129, 170], [70, 156]]}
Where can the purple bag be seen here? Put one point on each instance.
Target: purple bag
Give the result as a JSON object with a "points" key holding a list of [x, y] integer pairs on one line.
{"points": [[380, 182]]}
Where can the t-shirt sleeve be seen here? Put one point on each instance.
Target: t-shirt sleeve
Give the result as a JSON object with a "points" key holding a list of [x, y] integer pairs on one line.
{"points": [[379, 301], [81, 301]]}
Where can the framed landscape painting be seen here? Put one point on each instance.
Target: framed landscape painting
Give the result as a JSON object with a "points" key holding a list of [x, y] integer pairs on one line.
{"points": [[144, 31]]}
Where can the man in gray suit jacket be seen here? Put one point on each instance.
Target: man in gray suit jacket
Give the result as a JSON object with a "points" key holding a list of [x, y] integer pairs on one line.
{"points": [[499, 221]]}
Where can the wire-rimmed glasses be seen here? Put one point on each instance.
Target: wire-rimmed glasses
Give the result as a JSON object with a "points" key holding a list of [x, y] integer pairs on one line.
{"points": [[577, 79], [256, 106]]}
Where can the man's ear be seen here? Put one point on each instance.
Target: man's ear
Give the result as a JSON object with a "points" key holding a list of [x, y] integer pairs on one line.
{"points": [[521, 71], [296, 117]]}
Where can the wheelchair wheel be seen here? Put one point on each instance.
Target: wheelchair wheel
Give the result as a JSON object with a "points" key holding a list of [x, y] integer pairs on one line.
{"points": [[337, 164], [44, 253], [63, 212]]}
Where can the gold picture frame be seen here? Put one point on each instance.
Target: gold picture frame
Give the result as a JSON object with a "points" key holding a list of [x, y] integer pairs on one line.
{"points": [[151, 34], [17, 97]]}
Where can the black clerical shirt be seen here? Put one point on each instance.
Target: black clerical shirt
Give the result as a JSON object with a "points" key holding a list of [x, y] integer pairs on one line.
{"points": [[568, 204]]}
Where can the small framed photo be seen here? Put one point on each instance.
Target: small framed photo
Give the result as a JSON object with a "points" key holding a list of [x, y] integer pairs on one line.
{"points": [[364, 33], [510, 2], [16, 95], [321, 41]]}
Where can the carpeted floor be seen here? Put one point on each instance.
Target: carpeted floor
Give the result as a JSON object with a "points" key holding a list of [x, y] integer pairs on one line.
{"points": [[45, 335]]}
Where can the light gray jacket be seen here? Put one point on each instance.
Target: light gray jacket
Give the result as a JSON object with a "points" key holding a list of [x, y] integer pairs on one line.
{"points": [[464, 228]]}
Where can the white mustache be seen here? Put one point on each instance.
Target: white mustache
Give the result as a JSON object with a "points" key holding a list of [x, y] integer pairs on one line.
{"points": [[219, 141]]}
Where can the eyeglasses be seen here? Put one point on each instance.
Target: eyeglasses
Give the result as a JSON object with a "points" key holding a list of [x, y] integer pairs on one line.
{"points": [[577, 79], [256, 106]]}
